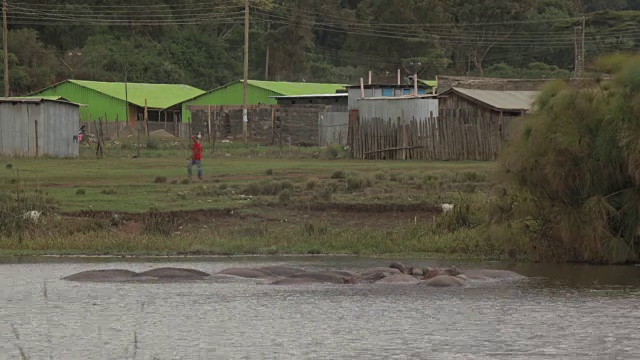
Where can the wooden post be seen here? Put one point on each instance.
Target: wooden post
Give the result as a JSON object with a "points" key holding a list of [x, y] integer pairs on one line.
{"points": [[369, 77], [404, 137], [398, 76], [209, 124], [215, 129], [105, 120], [245, 116], [5, 43], [117, 126], [362, 88], [146, 118], [37, 144], [273, 125], [176, 133], [166, 114]]}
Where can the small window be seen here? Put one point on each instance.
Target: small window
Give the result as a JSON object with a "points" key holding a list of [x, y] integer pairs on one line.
{"points": [[406, 91], [387, 92]]}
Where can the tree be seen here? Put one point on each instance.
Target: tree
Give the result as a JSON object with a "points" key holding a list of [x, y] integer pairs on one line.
{"points": [[496, 16], [32, 65]]}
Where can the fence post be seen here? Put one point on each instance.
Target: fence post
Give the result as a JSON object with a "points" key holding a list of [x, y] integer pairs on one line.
{"points": [[209, 123], [404, 137], [37, 144]]}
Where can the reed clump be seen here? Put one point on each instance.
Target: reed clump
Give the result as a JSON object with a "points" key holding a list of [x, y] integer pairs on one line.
{"points": [[572, 170]]}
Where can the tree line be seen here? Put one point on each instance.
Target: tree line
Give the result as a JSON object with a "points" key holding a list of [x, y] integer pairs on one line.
{"points": [[200, 42]]}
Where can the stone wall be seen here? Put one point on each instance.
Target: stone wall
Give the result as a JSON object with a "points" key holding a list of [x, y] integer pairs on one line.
{"points": [[299, 123]]}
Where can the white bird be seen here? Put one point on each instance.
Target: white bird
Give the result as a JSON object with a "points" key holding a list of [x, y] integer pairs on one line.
{"points": [[446, 207], [32, 215]]}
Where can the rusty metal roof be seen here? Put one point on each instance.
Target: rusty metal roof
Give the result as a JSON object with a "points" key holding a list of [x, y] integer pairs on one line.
{"points": [[498, 99]]}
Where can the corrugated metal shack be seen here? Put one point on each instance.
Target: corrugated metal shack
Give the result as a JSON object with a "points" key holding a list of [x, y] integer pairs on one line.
{"points": [[400, 127], [474, 124], [37, 126], [420, 107]]}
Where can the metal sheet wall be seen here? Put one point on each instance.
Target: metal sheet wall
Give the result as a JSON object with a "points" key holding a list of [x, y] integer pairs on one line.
{"points": [[419, 108], [333, 127], [56, 125]]}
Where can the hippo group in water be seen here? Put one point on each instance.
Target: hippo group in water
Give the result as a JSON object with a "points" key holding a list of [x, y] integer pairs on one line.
{"points": [[395, 273]]}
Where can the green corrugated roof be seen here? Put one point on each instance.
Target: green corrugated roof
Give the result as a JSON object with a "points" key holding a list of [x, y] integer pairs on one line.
{"points": [[159, 96], [297, 88], [432, 83]]}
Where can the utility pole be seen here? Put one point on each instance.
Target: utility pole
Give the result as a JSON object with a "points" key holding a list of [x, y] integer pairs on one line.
{"points": [[415, 77], [126, 110], [245, 118], [579, 51], [5, 41], [266, 67]]}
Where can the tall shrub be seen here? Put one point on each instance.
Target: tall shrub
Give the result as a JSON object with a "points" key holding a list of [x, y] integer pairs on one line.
{"points": [[574, 167]]}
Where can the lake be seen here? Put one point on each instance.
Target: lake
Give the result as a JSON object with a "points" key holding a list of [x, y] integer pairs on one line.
{"points": [[558, 312]]}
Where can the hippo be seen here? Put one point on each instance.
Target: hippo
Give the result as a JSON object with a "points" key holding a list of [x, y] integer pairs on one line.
{"points": [[170, 273], [409, 270], [398, 279], [398, 266], [375, 277], [247, 273], [101, 275], [337, 272], [309, 280], [326, 277], [379, 270], [444, 281], [281, 270], [433, 272]]}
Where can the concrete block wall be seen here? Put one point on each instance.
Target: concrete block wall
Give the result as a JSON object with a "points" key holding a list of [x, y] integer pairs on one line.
{"points": [[297, 124]]}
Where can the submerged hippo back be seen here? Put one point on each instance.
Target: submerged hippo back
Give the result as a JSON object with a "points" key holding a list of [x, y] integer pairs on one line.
{"points": [[173, 273], [101, 275], [325, 277], [247, 273], [398, 279], [444, 281], [282, 270]]}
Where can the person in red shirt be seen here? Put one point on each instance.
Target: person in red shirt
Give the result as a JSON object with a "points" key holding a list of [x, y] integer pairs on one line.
{"points": [[196, 157]]}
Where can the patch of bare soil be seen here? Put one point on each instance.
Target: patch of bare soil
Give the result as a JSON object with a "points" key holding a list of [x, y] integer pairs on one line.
{"points": [[341, 216]]}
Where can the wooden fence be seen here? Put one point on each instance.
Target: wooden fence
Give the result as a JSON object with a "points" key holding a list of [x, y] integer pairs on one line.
{"points": [[459, 137]]}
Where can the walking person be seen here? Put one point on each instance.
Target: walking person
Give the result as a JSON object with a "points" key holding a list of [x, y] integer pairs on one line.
{"points": [[196, 157]]}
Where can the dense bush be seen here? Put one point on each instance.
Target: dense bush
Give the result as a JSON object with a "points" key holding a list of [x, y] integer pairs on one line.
{"points": [[573, 169]]}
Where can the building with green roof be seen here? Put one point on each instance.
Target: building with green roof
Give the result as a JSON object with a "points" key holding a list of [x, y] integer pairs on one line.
{"points": [[110, 100], [258, 93]]}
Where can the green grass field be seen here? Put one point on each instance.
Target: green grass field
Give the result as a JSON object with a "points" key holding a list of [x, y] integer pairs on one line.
{"points": [[253, 200]]}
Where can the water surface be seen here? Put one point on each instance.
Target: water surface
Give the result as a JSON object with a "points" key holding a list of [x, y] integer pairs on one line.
{"points": [[559, 312]]}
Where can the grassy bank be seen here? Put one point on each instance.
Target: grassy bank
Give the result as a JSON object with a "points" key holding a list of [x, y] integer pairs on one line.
{"points": [[254, 200]]}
